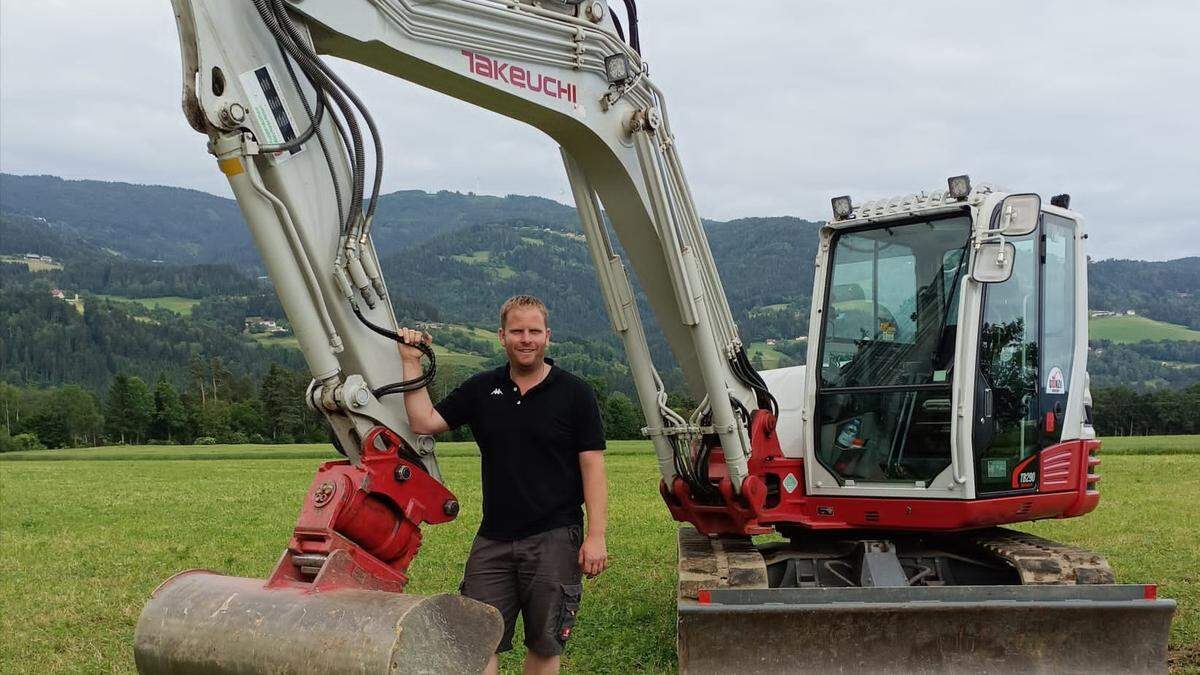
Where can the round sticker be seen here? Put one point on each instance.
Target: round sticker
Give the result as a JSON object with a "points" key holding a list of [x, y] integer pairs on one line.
{"points": [[1055, 382]]}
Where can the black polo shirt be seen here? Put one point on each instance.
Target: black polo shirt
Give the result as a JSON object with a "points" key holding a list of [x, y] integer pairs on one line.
{"points": [[530, 447]]}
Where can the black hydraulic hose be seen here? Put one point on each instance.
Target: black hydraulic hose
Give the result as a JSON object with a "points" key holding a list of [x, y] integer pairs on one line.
{"points": [[631, 15], [423, 380], [305, 59], [286, 22], [316, 121], [335, 89], [617, 25]]}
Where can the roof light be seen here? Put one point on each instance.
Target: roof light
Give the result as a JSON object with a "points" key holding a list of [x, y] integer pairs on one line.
{"points": [[1062, 201], [616, 68], [959, 186], [841, 207]]}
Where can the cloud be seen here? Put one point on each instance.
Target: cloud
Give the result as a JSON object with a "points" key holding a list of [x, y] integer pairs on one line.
{"points": [[777, 106]]}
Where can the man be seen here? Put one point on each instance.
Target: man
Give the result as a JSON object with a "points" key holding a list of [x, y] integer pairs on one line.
{"points": [[542, 447]]}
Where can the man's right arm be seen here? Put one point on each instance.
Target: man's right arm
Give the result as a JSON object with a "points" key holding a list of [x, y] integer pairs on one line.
{"points": [[423, 418]]}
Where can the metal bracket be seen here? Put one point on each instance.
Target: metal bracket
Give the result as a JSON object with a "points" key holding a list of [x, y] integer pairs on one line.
{"points": [[689, 429]]}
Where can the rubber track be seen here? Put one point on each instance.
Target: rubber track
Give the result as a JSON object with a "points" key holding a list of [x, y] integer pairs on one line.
{"points": [[1041, 561]]}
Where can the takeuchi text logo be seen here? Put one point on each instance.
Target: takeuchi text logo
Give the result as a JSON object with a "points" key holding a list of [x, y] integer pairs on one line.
{"points": [[517, 76]]}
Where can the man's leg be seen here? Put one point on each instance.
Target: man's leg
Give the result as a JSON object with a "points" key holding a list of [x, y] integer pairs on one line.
{"points": [[491, 577], [550, 589], [493, 666], [536, 664]]}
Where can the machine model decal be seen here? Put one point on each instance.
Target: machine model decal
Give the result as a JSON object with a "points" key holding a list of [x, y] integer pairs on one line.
{"points": [[270, 112], [1055, 382], [517, 76], [1024, 475]]}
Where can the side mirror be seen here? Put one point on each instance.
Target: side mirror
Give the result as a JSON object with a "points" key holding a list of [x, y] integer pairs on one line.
{"points": [[992, 261], [1017, 215]]}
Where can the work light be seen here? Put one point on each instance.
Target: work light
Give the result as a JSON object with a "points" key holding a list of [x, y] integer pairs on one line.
{"points": [[841, 207], [616, 68], [959, 186]]}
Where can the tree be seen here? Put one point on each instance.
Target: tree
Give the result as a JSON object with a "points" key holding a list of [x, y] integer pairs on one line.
{"points": [[170, 417], [622, 420], [129, 409], [279, 400]]}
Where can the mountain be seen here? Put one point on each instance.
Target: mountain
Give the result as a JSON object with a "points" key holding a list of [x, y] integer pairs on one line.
{"points": [[177, 225], [455, 257], [1168, 291], [151, 222]]}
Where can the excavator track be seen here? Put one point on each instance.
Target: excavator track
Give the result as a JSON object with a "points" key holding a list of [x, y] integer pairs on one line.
{"points": [[770, 610], [1040, 561]]}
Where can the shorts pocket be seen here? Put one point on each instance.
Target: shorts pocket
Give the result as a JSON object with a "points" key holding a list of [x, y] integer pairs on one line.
{"points": [[571, 596]]}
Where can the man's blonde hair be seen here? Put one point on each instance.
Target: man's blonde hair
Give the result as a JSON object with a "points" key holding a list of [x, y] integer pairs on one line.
{"points": [[523, 302]]}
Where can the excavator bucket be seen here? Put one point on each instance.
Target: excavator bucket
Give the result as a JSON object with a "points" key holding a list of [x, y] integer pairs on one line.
{"points": [[334, 602], [731, 619], [200, 622]]}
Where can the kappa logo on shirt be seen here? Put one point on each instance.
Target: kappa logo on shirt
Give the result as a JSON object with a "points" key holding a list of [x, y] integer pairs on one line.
{"points": [[497, 392]]}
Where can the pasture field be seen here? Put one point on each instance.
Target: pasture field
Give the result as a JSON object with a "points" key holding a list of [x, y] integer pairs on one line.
{"points": [[175, 303], [1130, 329], [32, 265], [87, 538]]}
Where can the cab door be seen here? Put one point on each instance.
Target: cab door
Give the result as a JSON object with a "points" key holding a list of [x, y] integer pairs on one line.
{"points": [[1026, 352], [1058, 323], [1007, 428]]}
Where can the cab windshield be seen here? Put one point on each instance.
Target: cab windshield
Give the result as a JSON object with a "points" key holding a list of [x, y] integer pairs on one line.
{"points": [[891, 306], [887, 350]]}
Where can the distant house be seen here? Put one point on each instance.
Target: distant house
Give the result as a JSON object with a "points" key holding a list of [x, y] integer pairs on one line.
{"points": [[33, 256], [262, 324], [1102, 312], [58, 294], [771, 341], [1130, 312]]}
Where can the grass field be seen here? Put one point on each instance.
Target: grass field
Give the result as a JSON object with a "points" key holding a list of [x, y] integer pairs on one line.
{"points": [[88, 538], [1129, 329], [33, 265], [174, 303]]}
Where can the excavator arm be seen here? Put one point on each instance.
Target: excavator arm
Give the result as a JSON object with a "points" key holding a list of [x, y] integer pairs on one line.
{"points": [[253, 83], [303, 157]]}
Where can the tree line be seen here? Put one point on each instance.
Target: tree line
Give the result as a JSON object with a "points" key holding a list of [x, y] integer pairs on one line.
{"points": [[216, 406]]}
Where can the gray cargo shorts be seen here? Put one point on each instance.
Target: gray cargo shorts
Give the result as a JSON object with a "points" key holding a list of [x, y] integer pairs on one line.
{"points": [[537, 576]]}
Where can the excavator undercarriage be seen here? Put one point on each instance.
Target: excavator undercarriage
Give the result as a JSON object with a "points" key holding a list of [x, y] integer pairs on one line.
{"points": [[997, 600]]}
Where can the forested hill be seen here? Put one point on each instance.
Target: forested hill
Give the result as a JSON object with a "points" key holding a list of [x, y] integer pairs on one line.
{"points": [[178, 225], [1167, 291]]}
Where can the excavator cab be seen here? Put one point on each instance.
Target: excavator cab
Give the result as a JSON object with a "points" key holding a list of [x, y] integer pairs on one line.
{"points": [[945, 394], [940, 373]]}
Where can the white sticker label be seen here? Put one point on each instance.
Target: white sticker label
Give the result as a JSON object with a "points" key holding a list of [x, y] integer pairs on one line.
{"points": [[269, 111], [997, 468], [1055, 382], [790, 483]]}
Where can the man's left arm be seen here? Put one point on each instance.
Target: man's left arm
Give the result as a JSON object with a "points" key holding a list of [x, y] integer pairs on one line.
{"points": [[593, 555]]}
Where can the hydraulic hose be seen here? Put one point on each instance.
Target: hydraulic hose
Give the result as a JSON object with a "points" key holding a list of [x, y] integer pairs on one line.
{"points": [[423, 380]]}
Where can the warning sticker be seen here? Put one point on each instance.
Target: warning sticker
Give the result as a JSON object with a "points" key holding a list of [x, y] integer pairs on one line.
{"points": [[887, 331], [1055, 382], [790, 483], [269, 111]]}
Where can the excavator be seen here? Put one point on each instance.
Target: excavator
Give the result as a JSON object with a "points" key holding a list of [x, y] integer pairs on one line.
{"points": [[945, 392]]}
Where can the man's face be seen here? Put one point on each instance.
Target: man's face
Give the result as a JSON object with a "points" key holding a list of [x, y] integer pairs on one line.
{"points": [[525, 337]]}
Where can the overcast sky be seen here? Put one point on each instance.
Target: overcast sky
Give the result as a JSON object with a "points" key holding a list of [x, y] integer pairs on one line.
{"points": [[777, 106]]}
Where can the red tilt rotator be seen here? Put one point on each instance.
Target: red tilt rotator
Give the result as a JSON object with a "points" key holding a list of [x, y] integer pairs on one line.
{"points": [[360, 525]]}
